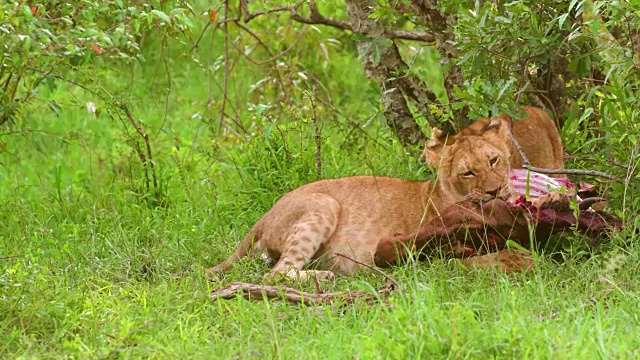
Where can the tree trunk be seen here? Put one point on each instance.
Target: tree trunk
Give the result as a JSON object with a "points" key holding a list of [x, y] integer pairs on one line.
{"points": [[386, 71], [441, 27]]}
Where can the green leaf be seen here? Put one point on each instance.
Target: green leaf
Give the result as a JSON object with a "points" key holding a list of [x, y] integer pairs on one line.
{"points": [[587, 112], [260, 108], [55, 107], [376, 53], [161, 15]]}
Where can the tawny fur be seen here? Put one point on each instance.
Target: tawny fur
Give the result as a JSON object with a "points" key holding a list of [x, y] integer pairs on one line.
{"points": [[511, 261], [351, 215], [536, 132]]}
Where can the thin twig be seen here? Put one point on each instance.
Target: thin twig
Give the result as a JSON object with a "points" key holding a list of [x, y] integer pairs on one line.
{"points": [[226, 63], [149, 158], [204, 30], [250, 16], [210, 74], [243, 53], [195, 45], [283, 52], [255, 36], [316, 127], [570, 172], [515, 142], [354, 125], [318, 286], [549, 105], [143, 160], [393, 281], [163, 57], [272, 57], [25, 132]]}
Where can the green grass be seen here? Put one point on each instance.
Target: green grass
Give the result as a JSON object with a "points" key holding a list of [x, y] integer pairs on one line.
{"points": [[86, 253]]}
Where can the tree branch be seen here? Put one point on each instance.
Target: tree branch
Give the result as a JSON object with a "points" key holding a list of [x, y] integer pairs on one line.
{"points": [[570, 171], [315, 18], [391, 73], [250, 16], [527, 165], [516, 143], [294, 296]]}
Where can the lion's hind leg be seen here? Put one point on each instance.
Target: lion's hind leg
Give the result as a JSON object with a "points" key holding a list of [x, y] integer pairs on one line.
{"points": [[312, 229]]}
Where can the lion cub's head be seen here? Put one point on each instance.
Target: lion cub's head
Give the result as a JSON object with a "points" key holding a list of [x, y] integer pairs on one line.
{"points": [[472, 165]]}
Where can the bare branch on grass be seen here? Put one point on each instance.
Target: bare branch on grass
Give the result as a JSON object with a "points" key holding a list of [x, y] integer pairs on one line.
{"points": [[295, 297]]}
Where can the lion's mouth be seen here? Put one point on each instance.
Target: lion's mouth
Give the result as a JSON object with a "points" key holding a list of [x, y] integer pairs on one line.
{"points": [[504, 195], [499, 197]]}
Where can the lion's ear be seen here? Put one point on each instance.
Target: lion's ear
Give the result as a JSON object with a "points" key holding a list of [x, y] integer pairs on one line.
{"points": [[433, 147], [507, 120], [497, 131]]}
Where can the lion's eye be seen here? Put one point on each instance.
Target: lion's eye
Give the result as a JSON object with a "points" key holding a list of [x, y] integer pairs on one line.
{"points": [[468, 174], [494, 161]]}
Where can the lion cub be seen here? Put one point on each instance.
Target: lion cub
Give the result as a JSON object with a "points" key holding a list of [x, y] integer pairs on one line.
{"points": [[351, 215], [536, 133]]}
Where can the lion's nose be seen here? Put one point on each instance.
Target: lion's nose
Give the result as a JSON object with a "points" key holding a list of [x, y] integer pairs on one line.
{"points": [[493, 193]]}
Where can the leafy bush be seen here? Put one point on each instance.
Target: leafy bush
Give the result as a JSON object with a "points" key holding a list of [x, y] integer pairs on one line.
{"points": [[51, 41]]}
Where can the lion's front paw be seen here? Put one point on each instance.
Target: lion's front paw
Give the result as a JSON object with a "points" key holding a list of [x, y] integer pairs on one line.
{"points": [[555, 200]]}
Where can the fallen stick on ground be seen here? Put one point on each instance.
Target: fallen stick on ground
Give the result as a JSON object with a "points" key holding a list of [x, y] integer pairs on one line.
{"points": [[294, 296]]}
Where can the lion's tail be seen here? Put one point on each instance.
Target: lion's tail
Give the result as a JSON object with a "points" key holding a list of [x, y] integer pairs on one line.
{"points": [[244, 247]]}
